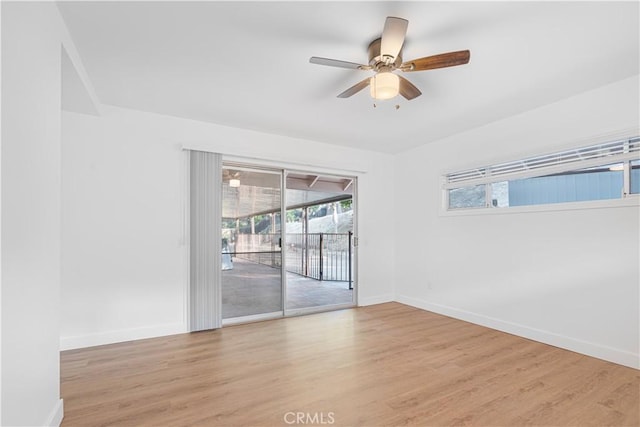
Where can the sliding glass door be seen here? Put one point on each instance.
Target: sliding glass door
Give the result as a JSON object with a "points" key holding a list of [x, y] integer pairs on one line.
{"points": [[311, 267], [251, 243], [320, 255]]}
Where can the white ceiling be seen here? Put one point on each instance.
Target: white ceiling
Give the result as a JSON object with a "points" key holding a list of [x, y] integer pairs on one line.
{"points": [[246, 64]]}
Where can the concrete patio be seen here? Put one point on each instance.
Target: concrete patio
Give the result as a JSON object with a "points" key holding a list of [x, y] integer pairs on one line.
{"points": [[252, 288]]}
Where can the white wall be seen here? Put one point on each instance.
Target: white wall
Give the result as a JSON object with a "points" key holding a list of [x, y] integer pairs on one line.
{"points": [[123, 190], [31, 48], [569, 278]]}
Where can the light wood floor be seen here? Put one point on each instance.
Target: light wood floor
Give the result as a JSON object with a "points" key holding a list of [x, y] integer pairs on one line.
{"points": [[381, 365]]}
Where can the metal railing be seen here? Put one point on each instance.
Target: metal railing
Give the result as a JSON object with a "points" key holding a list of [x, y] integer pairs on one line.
{"points": [[259, 248], [320, 256]]}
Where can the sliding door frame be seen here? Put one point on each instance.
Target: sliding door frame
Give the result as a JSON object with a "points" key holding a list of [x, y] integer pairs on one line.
{"points": [[354, 296], [274, 314]]}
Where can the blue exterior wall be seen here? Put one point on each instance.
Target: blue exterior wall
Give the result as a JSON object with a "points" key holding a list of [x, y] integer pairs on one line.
{"points": [[568, 188], [635, 181]]}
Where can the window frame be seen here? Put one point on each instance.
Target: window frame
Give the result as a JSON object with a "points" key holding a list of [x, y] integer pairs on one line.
{"points": [[626, 199]]}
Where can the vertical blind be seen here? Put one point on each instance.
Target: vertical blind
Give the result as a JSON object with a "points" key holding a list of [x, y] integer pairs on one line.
{"points": [[205, 252]]}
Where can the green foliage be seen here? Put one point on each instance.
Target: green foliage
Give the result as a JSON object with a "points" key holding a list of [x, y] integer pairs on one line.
{"points": [[346, 205], [294, 215]]}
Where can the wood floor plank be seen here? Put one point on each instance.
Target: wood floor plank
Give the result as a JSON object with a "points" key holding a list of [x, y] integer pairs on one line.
{"points": [[383, 365]]}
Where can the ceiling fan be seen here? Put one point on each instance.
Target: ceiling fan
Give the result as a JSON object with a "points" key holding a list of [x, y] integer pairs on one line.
{"points": [[385, 57]]}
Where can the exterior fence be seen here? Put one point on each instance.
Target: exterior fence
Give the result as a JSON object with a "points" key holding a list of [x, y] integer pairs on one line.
{"points": [[320, 256]]}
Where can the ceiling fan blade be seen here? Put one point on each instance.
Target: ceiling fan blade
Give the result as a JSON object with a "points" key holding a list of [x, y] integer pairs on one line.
{"points": [[408, 90], [355, 88], [337, 63], [443, 60], [395, 29]]}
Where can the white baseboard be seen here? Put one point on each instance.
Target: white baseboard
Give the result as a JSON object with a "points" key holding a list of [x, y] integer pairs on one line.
{"points": [[55, 418], [378, 299], [110, 337], [583, 347]]}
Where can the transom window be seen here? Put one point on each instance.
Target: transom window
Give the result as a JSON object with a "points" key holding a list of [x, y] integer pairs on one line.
{"points": [[604, 171]]}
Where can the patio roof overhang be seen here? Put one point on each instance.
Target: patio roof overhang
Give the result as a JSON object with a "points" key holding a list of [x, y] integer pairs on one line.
{"points": [[259, 192]]}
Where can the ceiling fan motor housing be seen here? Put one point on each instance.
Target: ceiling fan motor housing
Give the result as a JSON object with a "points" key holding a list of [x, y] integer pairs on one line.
{"points": [[375, 59]]}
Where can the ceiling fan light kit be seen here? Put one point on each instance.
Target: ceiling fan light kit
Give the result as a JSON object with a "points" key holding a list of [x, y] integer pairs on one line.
{"points": [[385, 57], [384, 85]]}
